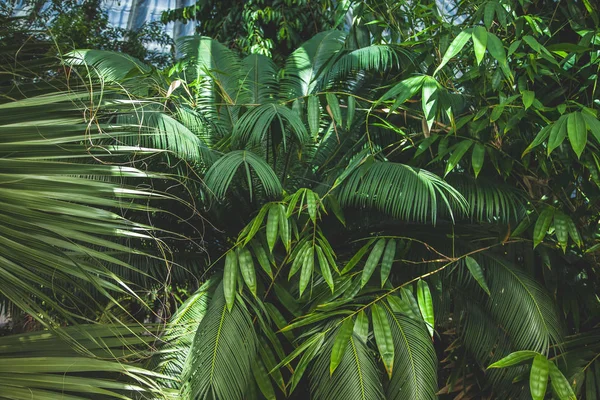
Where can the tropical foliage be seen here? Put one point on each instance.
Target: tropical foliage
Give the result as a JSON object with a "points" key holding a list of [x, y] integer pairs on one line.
{"points": [[402, 210]]}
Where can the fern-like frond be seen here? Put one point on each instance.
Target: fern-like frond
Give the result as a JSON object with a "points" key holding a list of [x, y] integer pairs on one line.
{"points": [[220, 175], [255, 124], [109, 66], [376, 58], [259, 79], [356, 377], [155, 129], [43, 365], [415, 365], [222, 354], [308, 64], [179, 336], [399, 190], [522, 307], [489, 202]]}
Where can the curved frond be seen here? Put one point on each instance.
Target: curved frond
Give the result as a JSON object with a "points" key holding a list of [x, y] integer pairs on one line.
{"points": [[220, 175], [43, 365], [522, 307], [377, 58], [399, 190], [179, 336], [220, 360], [259, 79], [58, 219], [305, 66], [109, 66], [356, 377], [414, 376], [488, 202], [157, 130], [255, 124]]}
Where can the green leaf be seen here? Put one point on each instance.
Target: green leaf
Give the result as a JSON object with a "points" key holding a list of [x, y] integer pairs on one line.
{"points": [[455, 47], [334, 106], [383, 337], [429, 99], [488, 13], [592, 124], [272, 226], [477, 158], [496, 112], [311, 204], [357, 257], [541, 225], [388, 260], [324, 266], [313, 114], [426, 305], [372, 261], [403, 91], [262, 380], [247, 268], [560, 384], [284, 227], [477, 273], [479, 42], [350, 111], [307, 357], [577, 132], [340, 344], [307, 269], [528, 98], [561, 228], [457, 154], [538, 378], [557, 133], [361, 326], [496, 49], [514, 358], [230, 278], [262, 257], [539, 139]]}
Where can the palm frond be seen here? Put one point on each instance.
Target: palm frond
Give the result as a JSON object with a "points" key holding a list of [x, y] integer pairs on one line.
{"points": [[42, 364], [220, 175], [522, 307], [58, 220], [259, 79], [305, 66], [109, 66], [153, 128], [220, 360], [415, 365], [489, 202], [356, 376], [377, 58], [399, 190], [179, 336], [255, 124]]}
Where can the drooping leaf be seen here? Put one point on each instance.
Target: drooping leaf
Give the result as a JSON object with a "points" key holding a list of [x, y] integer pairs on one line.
{"points": [[455, 47], [372, 261], [387, 260], [479, 42], [230, 278], [477, 273], [577, 131], [383, 337], [538, 377], [426, 305], [340, 344]]}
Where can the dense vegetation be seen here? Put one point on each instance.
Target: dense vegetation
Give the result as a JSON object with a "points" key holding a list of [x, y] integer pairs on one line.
{"points": [[404, 208]]}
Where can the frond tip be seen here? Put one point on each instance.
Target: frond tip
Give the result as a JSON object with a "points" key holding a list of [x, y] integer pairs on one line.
{"points": [[399, 190], [220, 175]]}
